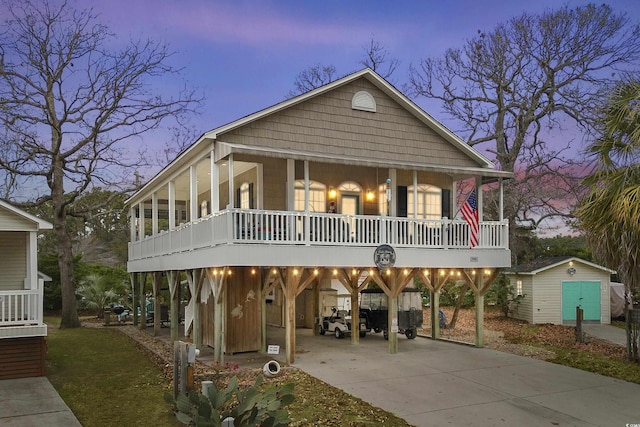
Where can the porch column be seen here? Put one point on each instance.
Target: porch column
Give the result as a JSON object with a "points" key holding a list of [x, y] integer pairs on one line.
{"points": [[172, 205], [193, 193], [232, 198], [307, 223], [140, 220], [501, 207], [260, 185], [132, 224], [154, 213], [479, 196], [415, 194], [32, 261], [214, 173], [394, 193], [291, 184]]}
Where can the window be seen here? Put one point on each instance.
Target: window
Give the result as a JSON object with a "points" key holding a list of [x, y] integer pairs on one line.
{"points": [[429, 202], [245, 196], [519, 287], [383, 202], [317, 196]]}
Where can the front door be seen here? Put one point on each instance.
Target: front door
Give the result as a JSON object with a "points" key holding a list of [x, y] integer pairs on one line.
{"points": [[350, 205]]}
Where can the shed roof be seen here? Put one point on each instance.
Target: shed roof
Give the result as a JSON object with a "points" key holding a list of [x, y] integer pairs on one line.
{"points": [[539, 265]]}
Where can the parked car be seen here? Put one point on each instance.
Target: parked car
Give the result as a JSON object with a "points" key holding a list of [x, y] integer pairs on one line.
{"points": [[375, 307], [339, 324]]}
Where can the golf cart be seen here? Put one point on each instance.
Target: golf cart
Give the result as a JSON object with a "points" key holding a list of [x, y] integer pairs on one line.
{"points": [[339, 324], [375, 308]]}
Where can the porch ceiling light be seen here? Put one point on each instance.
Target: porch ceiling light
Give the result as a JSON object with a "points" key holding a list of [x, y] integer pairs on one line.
{"points": [[370, 195], [315, 271], [332, 193], [274, 271], [253, 271], [295, 271], [335, 271], [388, 271], [426, 272]]}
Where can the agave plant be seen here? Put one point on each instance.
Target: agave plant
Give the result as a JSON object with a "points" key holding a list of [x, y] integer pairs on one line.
{"points": [[254, 405]]}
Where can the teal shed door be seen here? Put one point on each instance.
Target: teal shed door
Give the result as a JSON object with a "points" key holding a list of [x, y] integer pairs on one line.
{"points": [[583, 294]]}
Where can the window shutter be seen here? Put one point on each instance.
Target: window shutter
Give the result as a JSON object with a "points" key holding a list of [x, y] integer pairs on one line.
{"points": [[446, 203], [251, 201], [402, 202]]}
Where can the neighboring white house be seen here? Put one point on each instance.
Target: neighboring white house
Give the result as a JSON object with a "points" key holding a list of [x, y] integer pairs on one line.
{"points": [[22, 329], [259, 214], [553, 288]]}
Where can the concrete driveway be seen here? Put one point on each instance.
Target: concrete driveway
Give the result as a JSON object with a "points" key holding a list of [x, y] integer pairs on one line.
{"points": [[434, 383]]}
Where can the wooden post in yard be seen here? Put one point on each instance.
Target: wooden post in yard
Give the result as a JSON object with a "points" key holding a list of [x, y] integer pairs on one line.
{"points": [[579, 317]]}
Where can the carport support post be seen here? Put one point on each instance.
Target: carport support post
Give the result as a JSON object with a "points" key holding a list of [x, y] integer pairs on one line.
{"points": [[435, 314], [174, 287], [393, 316], [143, 302], [290, 314], [479, 320]]}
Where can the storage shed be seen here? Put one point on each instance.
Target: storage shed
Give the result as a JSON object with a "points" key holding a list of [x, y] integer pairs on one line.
{"points": [[553, 288]]}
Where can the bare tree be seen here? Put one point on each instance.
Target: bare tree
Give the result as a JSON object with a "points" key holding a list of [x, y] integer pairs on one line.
{"points": [[77, 109], [526, 82], [377, 58], [313, 77]]}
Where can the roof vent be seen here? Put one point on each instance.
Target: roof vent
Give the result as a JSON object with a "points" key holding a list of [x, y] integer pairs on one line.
{"points": [[363, 101]]}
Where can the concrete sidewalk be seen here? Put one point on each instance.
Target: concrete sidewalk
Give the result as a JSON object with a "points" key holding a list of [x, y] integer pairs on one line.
{"points": [[33, 402], [435, 383]]}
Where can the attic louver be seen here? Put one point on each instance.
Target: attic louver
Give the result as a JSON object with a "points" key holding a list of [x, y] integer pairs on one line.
{"points": [[363, 101]]}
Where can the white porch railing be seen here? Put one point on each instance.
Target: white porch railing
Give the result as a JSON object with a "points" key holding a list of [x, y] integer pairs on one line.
{"points": [[21, 307], [299, 228]]}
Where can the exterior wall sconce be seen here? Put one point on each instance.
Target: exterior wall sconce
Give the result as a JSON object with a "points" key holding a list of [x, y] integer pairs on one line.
{"points": [[571, 271], [370, 195], [332, 193]]}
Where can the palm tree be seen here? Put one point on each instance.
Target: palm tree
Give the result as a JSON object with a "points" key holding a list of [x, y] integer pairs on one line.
{"points": [[610, 214], [98, 292]]}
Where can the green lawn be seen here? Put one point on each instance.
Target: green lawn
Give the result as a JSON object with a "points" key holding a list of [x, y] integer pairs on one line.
{"points": [[107, 381], [104, 379]]}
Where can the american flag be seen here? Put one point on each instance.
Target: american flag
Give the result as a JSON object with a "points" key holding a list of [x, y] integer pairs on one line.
{"points": [[470, 213]]}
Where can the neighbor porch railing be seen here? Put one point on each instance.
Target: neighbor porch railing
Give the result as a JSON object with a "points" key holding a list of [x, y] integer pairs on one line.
{"points": [[300, 228], [21, 307]]}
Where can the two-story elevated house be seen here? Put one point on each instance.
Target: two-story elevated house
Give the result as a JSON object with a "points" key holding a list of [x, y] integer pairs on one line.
{"points": [[350, 182], [22, 330]]}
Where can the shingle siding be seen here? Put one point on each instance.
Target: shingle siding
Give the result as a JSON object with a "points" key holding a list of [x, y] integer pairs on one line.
{"points": [[327, 124]]}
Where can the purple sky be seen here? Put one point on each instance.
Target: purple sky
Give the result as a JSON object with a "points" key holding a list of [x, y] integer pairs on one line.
{"points": [[245, 55]]}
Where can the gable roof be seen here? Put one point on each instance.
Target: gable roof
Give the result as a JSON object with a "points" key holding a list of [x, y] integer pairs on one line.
{"points": [[39, 223], [381, 84], [539, 265]]}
